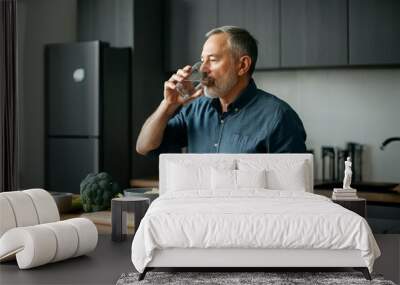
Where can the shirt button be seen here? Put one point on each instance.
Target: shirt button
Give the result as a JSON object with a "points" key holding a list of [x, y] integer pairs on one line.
{"points": [[222, 121], [216, 145], [236, 110]]}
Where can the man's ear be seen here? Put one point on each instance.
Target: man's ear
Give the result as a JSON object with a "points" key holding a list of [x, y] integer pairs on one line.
{"points": [[244, 64]]}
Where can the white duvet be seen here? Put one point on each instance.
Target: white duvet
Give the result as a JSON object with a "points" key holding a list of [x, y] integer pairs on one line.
{"points": [[250, 219]]}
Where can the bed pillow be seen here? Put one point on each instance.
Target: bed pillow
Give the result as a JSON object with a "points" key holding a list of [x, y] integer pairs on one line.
{"points": [[289, 179], [280, 175], [188, 175], [251, 178], [237, 179], [223, 179]]}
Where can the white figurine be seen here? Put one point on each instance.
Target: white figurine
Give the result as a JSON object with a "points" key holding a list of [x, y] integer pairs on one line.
{"points": [[347, 174]]}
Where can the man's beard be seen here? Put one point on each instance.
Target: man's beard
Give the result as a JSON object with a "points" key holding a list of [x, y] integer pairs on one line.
{"points": [[209, 94], [221, 89]]}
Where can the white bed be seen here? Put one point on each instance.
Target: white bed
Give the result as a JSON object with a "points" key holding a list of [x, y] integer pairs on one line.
{"points": [[247, 210]]}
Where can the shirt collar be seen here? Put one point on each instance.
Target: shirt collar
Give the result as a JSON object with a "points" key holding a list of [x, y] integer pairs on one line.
{"points": [[244, 97]]}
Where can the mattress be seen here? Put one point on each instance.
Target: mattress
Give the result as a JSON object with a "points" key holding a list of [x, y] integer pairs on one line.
{"points": [[251, 219]]}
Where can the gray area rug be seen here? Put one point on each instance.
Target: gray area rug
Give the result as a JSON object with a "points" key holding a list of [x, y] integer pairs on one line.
{"points": [[228, 278]]}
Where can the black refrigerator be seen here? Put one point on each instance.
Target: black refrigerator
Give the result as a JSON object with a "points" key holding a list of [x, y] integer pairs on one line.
{"points": [[87, 113]]}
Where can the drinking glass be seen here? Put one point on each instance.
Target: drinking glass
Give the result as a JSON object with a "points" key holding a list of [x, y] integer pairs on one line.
{"points": [[190, 85]]}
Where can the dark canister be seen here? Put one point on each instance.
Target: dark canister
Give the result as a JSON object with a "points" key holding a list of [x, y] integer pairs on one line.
{"points": [[328, 163]]}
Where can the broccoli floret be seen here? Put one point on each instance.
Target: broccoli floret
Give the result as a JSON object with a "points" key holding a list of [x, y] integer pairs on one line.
{"points": [[97, 190]]}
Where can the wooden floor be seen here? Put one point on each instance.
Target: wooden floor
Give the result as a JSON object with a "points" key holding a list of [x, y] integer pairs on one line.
{"points": [[103, 266]]}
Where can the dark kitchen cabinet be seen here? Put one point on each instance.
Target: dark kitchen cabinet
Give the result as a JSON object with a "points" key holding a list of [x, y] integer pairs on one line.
{"points": [[187, 22], [261, 19], [313, 33], [291, 33], [374, 32], [107, 21]]}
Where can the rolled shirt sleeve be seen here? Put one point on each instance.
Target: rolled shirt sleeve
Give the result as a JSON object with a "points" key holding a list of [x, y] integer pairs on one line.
{"points": [[175, 136]]}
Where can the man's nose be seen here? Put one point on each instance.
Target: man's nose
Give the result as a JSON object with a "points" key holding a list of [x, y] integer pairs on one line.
{"points": [[203, 67]]}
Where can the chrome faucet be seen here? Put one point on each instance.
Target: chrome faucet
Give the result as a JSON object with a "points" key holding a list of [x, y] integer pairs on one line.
{"points": [[388, 141]]}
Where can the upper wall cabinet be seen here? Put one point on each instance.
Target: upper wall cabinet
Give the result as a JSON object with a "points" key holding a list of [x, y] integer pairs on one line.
{"points": [[374, 32], [261, 19], [313, 33], [291, 33], [187, 22]]}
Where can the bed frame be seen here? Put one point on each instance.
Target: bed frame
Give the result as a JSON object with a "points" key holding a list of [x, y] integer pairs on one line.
{"points": [[242, 259]]}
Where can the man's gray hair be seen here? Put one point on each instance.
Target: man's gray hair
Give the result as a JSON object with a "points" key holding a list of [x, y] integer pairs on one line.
{"points": [[241, 43]]}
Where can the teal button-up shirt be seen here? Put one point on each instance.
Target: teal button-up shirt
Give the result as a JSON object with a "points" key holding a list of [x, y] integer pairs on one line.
{"points": [[256, 122]]}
